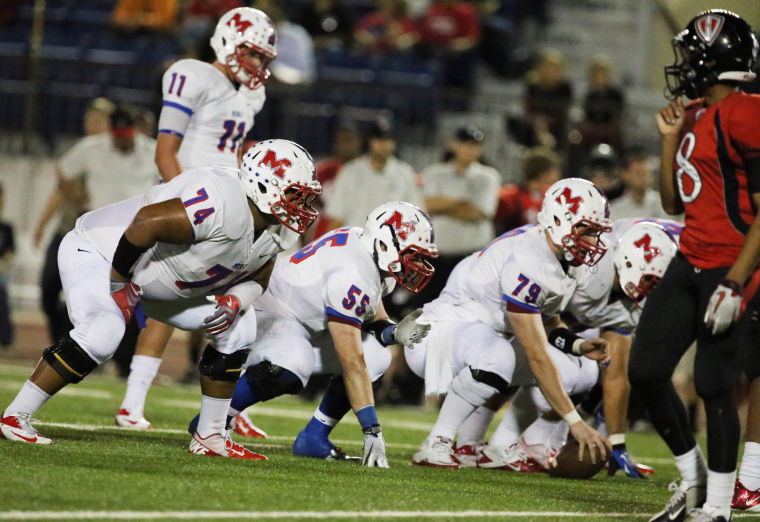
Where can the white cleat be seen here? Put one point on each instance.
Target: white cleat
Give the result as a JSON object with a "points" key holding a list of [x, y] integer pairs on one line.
{"points": [[125, 420], [245, 427], [18, 427], [468, 454], [514, 458], [436, 452], [218, 445]]}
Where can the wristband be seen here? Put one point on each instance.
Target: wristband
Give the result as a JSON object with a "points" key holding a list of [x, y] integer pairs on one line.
{"points": [[565, 340], [125, 257], [572, 417], [246, 293], [367, 417], [383, 330]]}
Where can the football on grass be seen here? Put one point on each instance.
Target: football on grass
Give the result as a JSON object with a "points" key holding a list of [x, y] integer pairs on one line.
{"points": [[567, 465]]}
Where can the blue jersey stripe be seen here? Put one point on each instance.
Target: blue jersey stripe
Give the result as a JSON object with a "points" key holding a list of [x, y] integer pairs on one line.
{"points": [[337, 316], [522, 305], [179, 106], [172, 132]]}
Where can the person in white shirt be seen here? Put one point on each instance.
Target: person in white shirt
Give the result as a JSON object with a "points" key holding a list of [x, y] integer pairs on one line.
{"points": [[639, 200], [196, 253], [369, 180], [207, 110]]}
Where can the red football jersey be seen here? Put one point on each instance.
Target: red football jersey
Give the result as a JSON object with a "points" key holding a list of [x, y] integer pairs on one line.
{"points": [[716, 141]]}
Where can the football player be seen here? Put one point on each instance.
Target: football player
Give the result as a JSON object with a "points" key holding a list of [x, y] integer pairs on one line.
{"points": [[609, 297], [205, 233], [710, 167], [335, 284], [487, 329], [207, 110]]}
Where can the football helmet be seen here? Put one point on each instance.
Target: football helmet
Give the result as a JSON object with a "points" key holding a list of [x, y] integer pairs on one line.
{"points": [[716, 45], [245, 27], [642, 255], [400, 238], [574, 209], [280, 178]]}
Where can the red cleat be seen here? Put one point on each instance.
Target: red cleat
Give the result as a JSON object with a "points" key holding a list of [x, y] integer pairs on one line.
{"points": [[745, 499], [217, 445], [468, 454], [246, 428], [18, 427]]}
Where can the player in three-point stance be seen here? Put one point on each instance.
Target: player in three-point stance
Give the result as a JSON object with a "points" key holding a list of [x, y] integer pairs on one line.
{"points": [[207, 110], [335, 285], [487, 330], [710, 169], [205, 233]]}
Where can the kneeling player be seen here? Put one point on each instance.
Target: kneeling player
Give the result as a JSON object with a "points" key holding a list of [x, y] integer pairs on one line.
{"points": [[336, 283], [204, 233]]}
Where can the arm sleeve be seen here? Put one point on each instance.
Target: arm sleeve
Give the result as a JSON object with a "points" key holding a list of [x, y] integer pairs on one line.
{"points": [[204, 208], [345, 298], [520, 290], [183, 89]]}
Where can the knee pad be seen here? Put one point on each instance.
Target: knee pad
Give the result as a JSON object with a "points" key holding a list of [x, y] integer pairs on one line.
{"points": [[69, 360], [477, 386], [269, 380], [222, 366]]}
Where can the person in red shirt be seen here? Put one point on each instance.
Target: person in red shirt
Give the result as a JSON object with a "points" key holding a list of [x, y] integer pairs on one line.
{"points": [[519, 203], [387, 29], [710, 170]]}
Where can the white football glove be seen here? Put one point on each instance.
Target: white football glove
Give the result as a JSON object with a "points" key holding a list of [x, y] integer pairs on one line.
{"points": [[409, 331], [374, 448], [724, 306]]}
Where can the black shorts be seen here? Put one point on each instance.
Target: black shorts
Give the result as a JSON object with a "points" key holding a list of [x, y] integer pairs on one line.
{"points": [[672, 319]]}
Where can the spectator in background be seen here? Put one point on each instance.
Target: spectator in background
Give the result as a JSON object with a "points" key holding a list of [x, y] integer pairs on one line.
{"points": [[369, 180], [67, 205], [449, 30], [519, 203], [347, 145], [547, 100], [461, 197], [639, 200], [7, 248], [198, 19], [603, 107], [295, 63], [328, 22], [602, 168], [387, 29], [145, 15]]}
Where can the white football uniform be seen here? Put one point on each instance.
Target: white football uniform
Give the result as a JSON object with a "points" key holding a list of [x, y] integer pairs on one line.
{"points": [[333, 278], [175, 279], [469, 322], [594, 303], [204, 108]]}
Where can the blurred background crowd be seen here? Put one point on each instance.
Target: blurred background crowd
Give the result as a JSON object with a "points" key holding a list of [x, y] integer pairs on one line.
{"points": [[470, 109]]}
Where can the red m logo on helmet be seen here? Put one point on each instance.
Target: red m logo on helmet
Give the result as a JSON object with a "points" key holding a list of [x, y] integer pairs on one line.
{"points": [[239, 24], [572, 202], [650, 252], [402, 229], [278, 166]]}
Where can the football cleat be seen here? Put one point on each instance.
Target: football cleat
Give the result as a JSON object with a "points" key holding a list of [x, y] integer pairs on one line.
{"points": [[218, 445], [682, 501], [468, 454], [745, 499], [436, 452], [701, 515], [18, 427], [125, 420], [620, 459], [308, 445], [514, 458], [245, 427]]}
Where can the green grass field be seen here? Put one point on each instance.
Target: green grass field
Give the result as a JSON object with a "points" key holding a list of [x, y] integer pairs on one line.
{"points": [[97, 471]]}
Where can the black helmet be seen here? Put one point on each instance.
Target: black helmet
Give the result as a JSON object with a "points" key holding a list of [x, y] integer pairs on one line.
{"points": [[716, 46]]}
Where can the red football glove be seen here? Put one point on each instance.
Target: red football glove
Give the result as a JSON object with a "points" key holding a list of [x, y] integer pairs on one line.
{"points": [[227, 308], [126, 296]]}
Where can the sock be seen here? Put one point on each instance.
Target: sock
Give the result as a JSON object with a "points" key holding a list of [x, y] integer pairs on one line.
{"points": [[692, 467], [749, 472], [30, 398], [453, 413], [720, 491], [213, 416], [508, 430], [142, 371], [540, 432], [475, 427]]}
